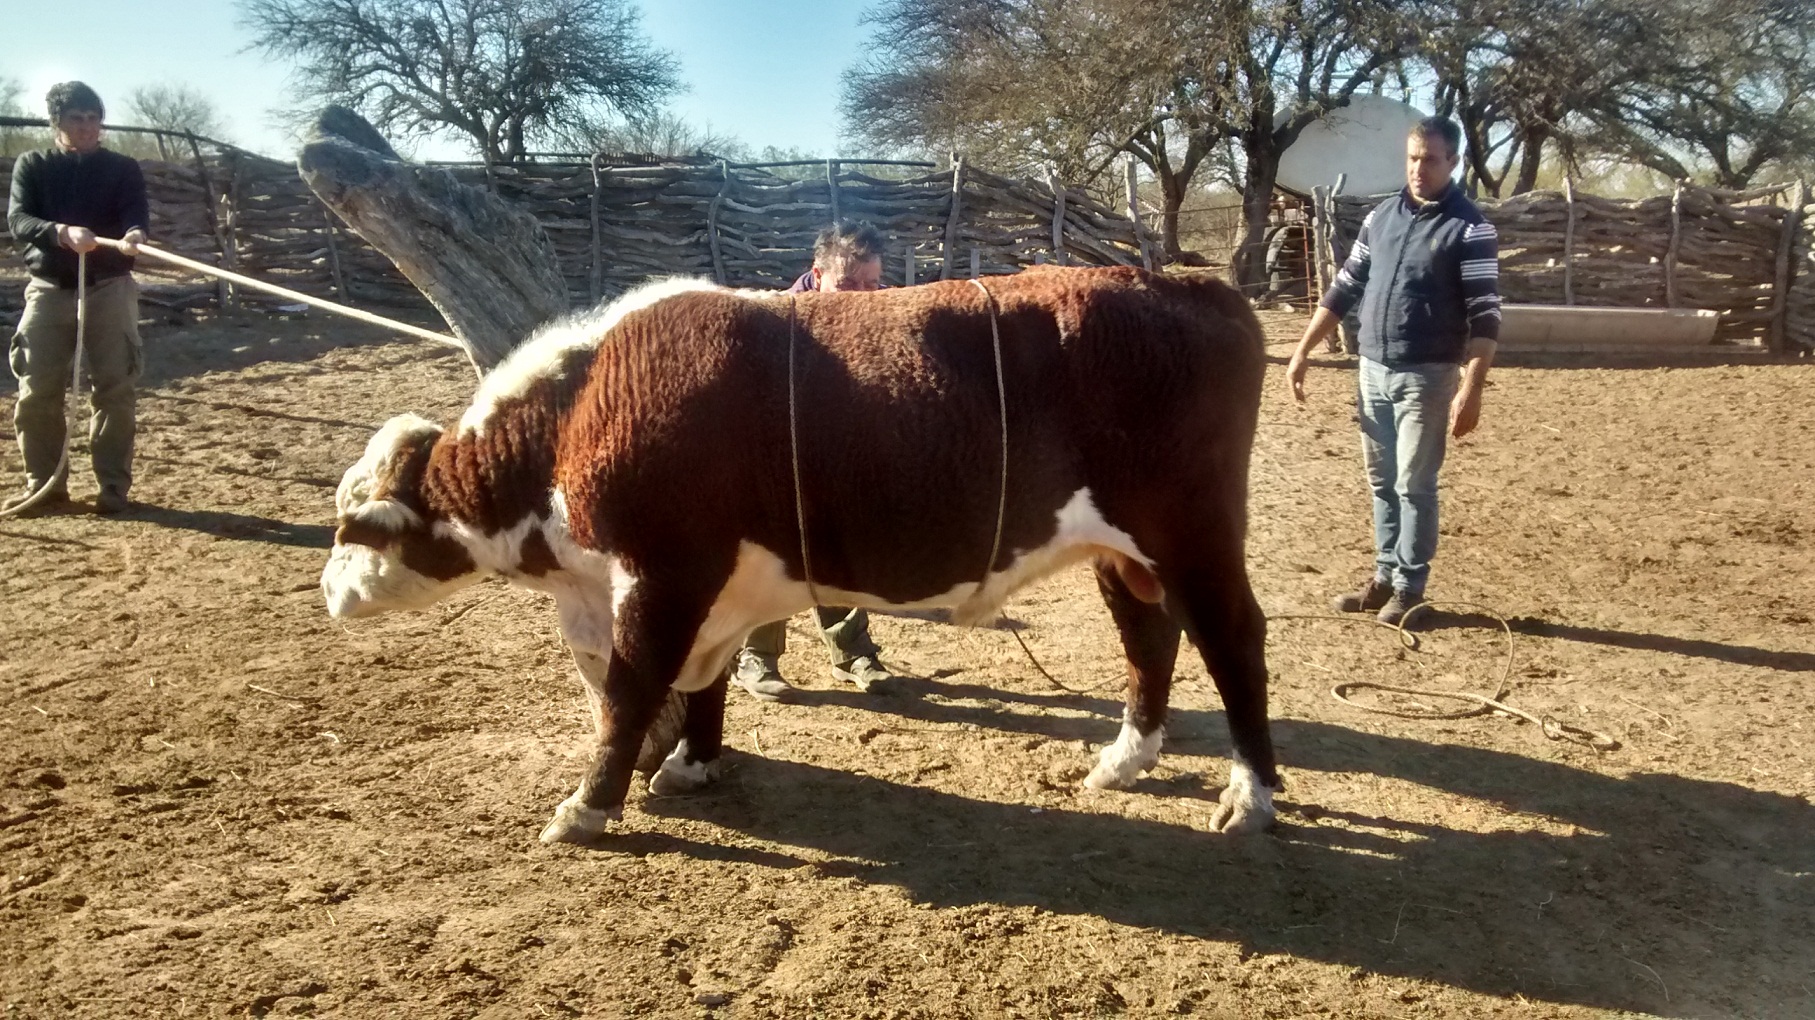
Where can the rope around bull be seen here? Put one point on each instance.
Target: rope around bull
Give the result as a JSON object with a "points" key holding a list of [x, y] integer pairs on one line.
{"points": [[800, 502]]}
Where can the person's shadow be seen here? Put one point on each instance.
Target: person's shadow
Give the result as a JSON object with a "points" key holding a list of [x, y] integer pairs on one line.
{"points": [[1652, 893], [245, 527]]}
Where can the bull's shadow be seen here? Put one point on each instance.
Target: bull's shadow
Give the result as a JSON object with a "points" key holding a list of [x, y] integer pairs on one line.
{"points": [[1670, 895]]}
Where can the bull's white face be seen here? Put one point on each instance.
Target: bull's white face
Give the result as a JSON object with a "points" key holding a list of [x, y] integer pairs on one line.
{"points": [[386, 556]]}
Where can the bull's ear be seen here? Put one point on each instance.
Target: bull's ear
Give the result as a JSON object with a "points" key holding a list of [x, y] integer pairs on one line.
{"points": [[373, 478], [387, 515]]}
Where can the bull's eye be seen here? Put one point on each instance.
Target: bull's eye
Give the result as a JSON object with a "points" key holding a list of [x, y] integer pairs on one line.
{"points": [[361, 533]]}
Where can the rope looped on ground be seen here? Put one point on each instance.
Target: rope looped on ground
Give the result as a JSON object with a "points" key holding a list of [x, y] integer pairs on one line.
{"points": [[1551, 727]]}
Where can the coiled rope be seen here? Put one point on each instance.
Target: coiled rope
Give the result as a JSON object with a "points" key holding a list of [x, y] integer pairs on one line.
{"points": [[1550, 726], [59, 479]]}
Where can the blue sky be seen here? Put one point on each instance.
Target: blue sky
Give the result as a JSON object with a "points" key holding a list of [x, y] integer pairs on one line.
{"points": [[762, 70]]}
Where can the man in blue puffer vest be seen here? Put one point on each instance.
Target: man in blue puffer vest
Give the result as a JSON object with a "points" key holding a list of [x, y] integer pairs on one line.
{"points": [[1426, 270]]}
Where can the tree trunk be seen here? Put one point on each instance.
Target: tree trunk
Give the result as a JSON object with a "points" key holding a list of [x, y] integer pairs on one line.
{"points": [[488, 268], [1172, 193], [1250, 262], [1531, 159]]}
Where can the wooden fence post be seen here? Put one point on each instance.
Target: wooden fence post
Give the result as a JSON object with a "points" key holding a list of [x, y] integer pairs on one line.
{"points": [[718, 256], [1676, 236], [1569, 241], [223, 292], [1780, 301], [832, 185], [1320, 201], [1058, 217], [976, 262], [340, 281], [596, 272], [907, 265], [1134, 214], [949, 250]]}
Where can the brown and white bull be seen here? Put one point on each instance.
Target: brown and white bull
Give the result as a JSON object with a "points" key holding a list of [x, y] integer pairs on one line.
{"points": [[636, 463]]}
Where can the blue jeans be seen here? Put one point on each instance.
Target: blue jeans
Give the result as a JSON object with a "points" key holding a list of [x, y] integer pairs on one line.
{"points": [[1404, 432]]}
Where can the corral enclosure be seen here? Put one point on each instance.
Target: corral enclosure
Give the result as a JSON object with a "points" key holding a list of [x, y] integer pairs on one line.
{"points": [[613, 226], [216, 802]]}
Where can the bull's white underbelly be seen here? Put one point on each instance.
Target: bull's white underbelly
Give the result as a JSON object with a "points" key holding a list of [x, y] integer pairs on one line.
{"points": [[760, 590]]}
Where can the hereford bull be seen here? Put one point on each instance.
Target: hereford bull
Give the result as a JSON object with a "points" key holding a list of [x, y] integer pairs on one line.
{"points": [[653, 465]]}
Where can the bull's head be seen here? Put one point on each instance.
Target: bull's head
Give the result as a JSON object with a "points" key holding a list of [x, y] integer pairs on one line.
{"points": [[388, 553]]}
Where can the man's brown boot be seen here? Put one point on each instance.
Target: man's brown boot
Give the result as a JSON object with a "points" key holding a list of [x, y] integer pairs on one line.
{"points": [[111, 501], [1366, 599], [1397, 611]]}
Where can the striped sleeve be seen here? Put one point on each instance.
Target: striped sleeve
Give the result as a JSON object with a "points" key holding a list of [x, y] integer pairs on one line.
{"points": [[1481, 279], [1352, 279]]}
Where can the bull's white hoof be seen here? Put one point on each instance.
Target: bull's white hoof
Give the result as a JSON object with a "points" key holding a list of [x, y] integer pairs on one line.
{"points": [[1246, 804], [1122, 762], [677, 777], [574, 822]]}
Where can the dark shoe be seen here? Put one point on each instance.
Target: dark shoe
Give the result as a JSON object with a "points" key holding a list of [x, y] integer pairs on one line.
{"points": [[1397, 608], [111, 501], [51, 503], [756, 673], [1366, 599], [863, 671]]}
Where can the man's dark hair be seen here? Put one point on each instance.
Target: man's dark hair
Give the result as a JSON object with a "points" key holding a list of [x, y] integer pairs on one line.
{"points": [[1440, 127], [846, 242], [70, 97]]}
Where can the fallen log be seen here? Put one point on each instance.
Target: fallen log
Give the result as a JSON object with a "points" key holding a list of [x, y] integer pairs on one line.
{"points": [[487, 267]]}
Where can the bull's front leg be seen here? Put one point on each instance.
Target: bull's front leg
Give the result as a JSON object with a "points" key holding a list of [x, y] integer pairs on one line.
{"points": [[650, 640]]}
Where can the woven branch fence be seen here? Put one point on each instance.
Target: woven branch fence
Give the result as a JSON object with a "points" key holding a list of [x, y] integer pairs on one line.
{"points": [[613, 227], [1745, 254]]}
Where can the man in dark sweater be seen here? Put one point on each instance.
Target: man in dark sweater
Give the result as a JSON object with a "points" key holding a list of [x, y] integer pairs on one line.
{"points": [[62, 199], [845, 257], [1425, 268]]}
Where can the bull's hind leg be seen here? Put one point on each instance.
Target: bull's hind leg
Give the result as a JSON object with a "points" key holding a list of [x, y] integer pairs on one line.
{"points": [[1150, 639], [650, 641], [1221, 617], [694, 761]]}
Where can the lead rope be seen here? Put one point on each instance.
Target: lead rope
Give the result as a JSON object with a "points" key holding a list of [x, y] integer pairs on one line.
{"points": [[60, 476], [800, 502], [995, 336]]}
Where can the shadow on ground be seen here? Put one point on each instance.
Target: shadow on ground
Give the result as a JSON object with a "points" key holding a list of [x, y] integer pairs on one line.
{"points": [[246, 527], [1665, 894], [1530, 626]]}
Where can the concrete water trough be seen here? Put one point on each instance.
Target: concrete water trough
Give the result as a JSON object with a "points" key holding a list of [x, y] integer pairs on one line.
{"points": [[1563, 328]]}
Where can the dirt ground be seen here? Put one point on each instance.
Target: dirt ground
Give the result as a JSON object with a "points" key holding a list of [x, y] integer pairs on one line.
{"points": [[218, 802]]}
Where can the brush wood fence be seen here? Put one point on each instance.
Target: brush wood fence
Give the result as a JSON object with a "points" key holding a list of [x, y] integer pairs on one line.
{"points": [[1744, 254], [614, 226], [1748, 255]]}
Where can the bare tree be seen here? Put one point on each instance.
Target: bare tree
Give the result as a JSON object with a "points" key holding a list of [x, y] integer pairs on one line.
{"points": [[661, 135], [1068, 85], [499, 73], [13, 140], [1732, 94], [1521, 76], [1036, 86], [173, 107]]}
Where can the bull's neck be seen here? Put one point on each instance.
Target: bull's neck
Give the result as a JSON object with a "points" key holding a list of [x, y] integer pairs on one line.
{"points": [[490, 479]]}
